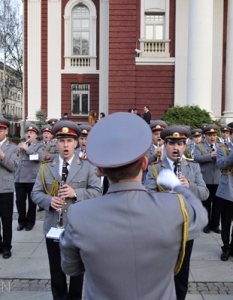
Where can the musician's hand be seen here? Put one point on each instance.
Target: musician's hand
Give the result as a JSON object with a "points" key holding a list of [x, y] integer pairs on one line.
{"points": [[2, 154], [47, 156], [66, 192], [184, 181], [56, 202], [24, 146], [213, 154], [158, 152]]}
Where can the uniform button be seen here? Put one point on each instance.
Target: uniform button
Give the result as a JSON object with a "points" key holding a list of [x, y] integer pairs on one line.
{"points": [[65, 211], [65, 203]]}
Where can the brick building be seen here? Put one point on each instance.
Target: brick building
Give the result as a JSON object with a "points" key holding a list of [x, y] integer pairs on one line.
{"points": [[110, 55]]}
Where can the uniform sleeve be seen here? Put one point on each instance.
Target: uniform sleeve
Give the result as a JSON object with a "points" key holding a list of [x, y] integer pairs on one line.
{"points": [[71, 261], [39, 195], [196, 212], [198, 187], [11, 159], [93, 186], [150, 183], [223, 161], [201, 157]]}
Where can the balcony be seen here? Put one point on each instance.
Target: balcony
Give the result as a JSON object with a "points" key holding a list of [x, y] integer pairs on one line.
{"points": [[80, 63], [154, 48]]}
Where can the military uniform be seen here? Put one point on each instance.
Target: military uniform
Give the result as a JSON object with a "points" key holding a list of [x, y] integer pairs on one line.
{"points": [[225, 193], [8, 165], [120, 260], [191, 171], [211, 175], [25, 177], [86, 185]]}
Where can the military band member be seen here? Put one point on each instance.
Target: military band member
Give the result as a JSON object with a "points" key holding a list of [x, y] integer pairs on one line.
{"points": [[25, 176], [225, 193], [48, 148], [124, 249], [175, 139], [82, 140], [225, 134], [52, 122], [205, 154], [8, 165], [81, 184], [196, 138]]}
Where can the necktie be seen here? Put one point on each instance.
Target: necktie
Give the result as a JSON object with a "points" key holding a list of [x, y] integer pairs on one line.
{"points": [[212, 147], [175, 168], [65, 171]]}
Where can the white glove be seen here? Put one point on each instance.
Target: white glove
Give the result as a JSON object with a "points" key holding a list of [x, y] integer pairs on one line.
{"points": [[168, 178]]}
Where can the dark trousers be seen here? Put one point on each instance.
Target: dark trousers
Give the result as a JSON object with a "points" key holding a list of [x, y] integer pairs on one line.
{"points": [[226, 219], [181, 279], [213, 206], [23, 192], [6, 212], [58, 277]]}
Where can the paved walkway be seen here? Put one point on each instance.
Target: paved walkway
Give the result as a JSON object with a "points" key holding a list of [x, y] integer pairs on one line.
{"points": [[26, 274]]}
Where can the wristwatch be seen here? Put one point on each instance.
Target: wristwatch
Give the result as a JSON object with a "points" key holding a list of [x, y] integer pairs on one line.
{"points": [[75, 196]]}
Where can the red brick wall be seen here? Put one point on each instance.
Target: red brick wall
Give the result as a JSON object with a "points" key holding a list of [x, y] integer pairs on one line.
{"points": [[67, 80], [25, 61], [131, 85], [122, 39], [44, 55]]}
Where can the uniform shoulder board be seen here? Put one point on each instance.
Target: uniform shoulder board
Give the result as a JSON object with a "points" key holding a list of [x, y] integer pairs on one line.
{"points": [[156, 162]]}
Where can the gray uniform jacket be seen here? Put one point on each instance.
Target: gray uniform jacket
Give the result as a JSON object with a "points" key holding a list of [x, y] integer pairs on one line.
{"points": [[8, 165], [189, 169], [81, 178], [124, 248], [209, 169], [225, 163], [27, 169], [50, 147]]}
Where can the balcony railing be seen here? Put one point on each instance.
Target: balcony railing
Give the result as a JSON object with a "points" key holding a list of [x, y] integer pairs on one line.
{"points": [[83, 62], [154, 48]]}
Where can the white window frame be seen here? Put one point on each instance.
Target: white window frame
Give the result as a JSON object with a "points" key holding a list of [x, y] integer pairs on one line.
{"points": [[68, 38], [88, 93]]}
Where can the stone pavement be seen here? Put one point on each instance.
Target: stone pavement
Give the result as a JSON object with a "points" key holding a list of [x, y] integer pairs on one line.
{"points": [[26, 274]]}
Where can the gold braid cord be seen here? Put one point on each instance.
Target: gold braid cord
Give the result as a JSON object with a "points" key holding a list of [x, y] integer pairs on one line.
{"points": [[185, 225], [202, 149], [224, 150], [55, 185], [184, 236], [155, 172]]}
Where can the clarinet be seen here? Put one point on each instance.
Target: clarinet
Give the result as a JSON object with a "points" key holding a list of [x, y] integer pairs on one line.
{"points": [[63, 181], [178, 172]]}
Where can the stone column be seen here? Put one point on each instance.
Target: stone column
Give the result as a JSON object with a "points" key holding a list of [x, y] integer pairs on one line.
{"points": [[228, 113], [200, 49], [104, 56]]}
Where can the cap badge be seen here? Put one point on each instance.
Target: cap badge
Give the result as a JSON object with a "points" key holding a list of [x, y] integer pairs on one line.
{"points": [[65, 130], [211, 130], [176, 134], [30, 127], [158, 126], [84, 131], [46, 128]]}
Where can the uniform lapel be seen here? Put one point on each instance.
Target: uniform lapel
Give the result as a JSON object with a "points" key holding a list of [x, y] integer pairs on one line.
{"points": [[184, 167], [76, 165]]}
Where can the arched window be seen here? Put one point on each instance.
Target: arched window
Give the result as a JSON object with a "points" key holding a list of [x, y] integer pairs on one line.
{"points": [[80, 35], [81, 30]]}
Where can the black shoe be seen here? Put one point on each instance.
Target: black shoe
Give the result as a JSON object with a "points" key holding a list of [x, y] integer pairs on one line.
{"points": [[6, 254], [206, 229], [39, 209], [20, 227], [216, 229], [28, 227], [225, 256]]}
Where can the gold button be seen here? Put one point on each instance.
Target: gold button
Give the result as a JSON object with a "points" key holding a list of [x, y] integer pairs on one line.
{"points": [[65, 203], [65, 211]]}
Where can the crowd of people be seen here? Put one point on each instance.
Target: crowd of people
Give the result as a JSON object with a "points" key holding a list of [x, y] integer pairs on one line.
{"points": [[149, 200]]}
